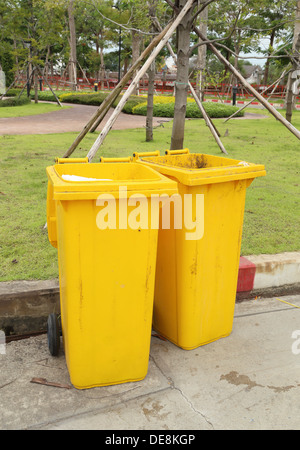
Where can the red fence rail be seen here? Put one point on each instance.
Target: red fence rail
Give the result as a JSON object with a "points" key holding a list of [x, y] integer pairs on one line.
{"points": [[163, 86]]}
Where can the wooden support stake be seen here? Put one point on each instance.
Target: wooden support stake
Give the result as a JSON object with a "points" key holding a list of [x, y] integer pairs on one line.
{"points": [[39, 70], [28, 80], [135, 81], [249, 103], [250, 88], [109, 100], [208, 121], [84, 75], [10, 87]]}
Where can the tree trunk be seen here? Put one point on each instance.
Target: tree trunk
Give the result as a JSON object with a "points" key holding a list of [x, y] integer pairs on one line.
{"points": [[73, 56], [289, 100], [202, 50], [102, 69], [151, 81], [149, 120], [46, 68], [125, 67], [36, 94], [291, 96], [136, 40], [17, 73], [297, 25], [267, 66], [236, 57], [182, 79]]}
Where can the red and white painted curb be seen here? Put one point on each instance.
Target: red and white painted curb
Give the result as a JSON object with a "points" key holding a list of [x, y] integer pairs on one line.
{"points": [[268, 271]]}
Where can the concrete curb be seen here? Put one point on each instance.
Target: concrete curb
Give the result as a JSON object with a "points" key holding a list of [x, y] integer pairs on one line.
{"points": [[265, 275], [25, 305]]}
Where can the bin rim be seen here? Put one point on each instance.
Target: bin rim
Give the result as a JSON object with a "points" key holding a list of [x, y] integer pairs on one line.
{"points": [[239, 170], [155, 183]]}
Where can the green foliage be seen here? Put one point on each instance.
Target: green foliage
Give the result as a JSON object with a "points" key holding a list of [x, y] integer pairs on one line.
{"points": [[214, 110], [96, 99], [42, 95], [13, 92], [14, 101], [132, 102], [84, 99], [45, 96], [239, 23]]}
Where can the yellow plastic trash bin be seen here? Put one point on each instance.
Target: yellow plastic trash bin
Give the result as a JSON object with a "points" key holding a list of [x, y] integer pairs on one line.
{"points": [[197, 263], [106, 267]]}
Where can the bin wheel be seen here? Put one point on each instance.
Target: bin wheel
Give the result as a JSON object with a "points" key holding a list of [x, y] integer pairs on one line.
{"points": [[53, 334]]}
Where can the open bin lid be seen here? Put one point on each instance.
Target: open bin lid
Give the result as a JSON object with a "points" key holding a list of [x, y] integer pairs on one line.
{"points": [[194, 169], [75, 181]]}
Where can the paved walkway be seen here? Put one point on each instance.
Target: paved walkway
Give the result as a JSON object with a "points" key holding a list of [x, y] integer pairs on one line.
{"points": [[68, 120], [247, 381], [74, 119]]}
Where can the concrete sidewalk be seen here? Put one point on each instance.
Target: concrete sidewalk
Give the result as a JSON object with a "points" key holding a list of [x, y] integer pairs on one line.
{"points": [[72, 119], [247, 381]]}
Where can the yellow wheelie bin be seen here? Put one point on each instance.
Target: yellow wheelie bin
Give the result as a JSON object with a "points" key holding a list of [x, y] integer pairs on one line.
{"points": [[198, 259], [106, 267]]}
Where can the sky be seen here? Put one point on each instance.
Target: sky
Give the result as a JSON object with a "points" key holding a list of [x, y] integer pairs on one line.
{"points": [[258, 62]]}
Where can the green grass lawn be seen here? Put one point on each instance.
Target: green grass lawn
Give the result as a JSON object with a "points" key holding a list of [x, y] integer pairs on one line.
{"points": [[271, 222], [30, 110]]}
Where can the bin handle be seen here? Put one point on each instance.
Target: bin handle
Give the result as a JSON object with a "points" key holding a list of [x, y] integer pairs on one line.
{"points": [[177, 152], [137, 155], [126, 159], [71, 160]]}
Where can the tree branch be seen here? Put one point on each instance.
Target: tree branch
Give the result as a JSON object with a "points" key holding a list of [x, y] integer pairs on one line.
{"points": [[120, 25], [202, 8], [251, 57], [172, 5], [261, 30], [215, 40]]}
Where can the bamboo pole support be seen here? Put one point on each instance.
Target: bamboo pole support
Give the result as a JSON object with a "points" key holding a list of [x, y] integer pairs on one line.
{"points": [[135, 81], [40, 72], [107, 103], [28, 80], [248, 86], [11, 86], [208, 121], [249, 103]]}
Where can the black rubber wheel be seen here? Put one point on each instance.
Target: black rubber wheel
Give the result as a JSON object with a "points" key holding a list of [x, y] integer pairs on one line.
{"points": [[53, 334]]}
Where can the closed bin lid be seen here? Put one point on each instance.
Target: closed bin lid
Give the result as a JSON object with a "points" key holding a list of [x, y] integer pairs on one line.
{"points": [[194, 169], [86, 181]]}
